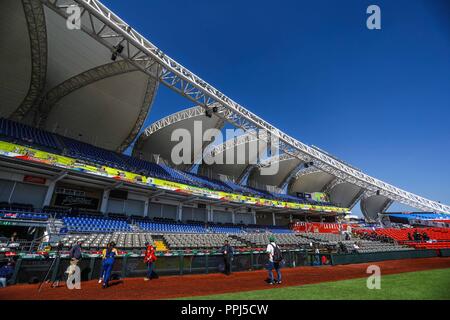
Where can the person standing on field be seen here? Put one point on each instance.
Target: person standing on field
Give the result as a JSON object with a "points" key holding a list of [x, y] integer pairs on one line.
{"points": [[227, 251], [275, 259], [149, 259]]}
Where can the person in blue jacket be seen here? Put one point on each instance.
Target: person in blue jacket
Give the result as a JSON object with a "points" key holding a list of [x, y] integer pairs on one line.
{"points": [[109, 254], [6, 273]]}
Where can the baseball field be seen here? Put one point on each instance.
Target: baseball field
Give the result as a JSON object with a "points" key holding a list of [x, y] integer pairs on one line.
{"points": [[427, 278]]}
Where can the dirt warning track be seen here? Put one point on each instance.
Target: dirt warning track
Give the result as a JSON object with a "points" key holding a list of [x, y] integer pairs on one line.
{"points": [[204, 284]]}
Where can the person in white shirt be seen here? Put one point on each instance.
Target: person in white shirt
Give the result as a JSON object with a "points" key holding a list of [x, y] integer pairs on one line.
{"points": [[271, 247]]}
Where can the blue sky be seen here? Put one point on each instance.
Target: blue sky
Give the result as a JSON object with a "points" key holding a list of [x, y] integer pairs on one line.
{"points": [[379, 99]]}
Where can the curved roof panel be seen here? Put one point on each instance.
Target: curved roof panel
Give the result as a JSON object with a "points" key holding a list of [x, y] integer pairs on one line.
{"points": [[310, 180], [282, 166], [15, 56], [234, 156], [372, 205], [157, 138], [69, 84], [344, 194]]}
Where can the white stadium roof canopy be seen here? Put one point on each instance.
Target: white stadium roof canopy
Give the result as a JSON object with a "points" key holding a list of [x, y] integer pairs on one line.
{"points": [[156, 139], [66, 82]]}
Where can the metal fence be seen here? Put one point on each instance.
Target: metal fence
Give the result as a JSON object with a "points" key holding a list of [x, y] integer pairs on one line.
{"points": [[35, 269]]}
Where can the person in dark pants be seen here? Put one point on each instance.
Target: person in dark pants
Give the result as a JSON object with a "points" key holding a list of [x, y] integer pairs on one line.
{"points": [[6, 272], [275, 261], [75, 257], [108, 262], [75, 252], [149, 259], [227, 251]]}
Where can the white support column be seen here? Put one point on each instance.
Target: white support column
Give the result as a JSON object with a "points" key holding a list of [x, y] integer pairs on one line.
{"points": [[273, 219], [146, 206], [49, 194], [233, 217], [12, 192], [211, 213], [290, 218], [105, 199], [180, 212], [254, 217]]}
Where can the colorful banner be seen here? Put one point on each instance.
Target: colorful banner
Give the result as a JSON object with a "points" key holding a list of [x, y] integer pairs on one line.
{"points": [[28, 154]]}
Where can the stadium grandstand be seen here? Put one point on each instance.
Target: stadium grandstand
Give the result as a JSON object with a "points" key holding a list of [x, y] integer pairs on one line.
{"points": [[65, 175]]}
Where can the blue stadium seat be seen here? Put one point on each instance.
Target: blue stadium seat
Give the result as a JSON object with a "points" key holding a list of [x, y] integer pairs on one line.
{"points": [[28, 135], [95, 224]]}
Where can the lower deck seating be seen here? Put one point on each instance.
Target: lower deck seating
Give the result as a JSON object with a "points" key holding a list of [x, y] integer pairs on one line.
{"points": [[101, 240], [194, 241], [323, 237], [436, 238], [366, 246], [261, 240], [171, 227], [430, 245], [225, 229], [199, 241]]}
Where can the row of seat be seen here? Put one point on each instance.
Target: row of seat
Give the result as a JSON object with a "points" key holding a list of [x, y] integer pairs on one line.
{"points": [[91, 224], [192, 241], [86, 223], [199, 241], [101, 240], [262, 239], [27, 134], [439, 234], [101, 157], [8, 214]]}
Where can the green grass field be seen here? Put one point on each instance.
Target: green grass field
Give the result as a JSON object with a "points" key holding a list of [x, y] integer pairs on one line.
{"points": [[432, 284]]}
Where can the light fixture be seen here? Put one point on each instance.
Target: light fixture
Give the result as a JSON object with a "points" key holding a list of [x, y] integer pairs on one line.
{"points": [[116, 51]]}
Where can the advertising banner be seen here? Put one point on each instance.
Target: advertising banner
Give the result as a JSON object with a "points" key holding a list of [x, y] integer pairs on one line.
{"points": [[33, 155]]}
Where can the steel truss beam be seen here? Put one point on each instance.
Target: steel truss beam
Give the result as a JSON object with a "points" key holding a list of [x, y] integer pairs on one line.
{"points": [[147, 103], [179, 116], [233, 143], [246, 173], [275, 159], [293, 174], [302, 171], [174, 118], [186, 83], [37, 30], [198, 159], [278, 158]]}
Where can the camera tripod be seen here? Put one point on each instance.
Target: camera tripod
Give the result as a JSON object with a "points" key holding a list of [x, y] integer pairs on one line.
{"points": [[50, 268]]}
